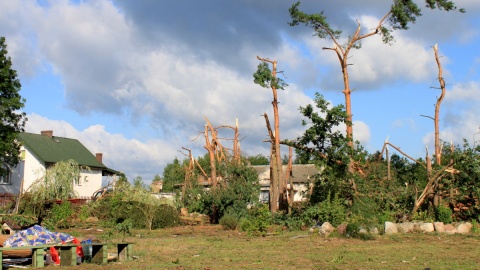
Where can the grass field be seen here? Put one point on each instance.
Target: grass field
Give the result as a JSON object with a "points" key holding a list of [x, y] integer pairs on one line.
{"points": [[211, 247]]}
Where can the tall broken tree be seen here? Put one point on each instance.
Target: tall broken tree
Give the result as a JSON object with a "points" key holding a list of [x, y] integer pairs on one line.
{"points": [[268, 78], [216, 151], [399, 16], [434, 177], [189, 171]]}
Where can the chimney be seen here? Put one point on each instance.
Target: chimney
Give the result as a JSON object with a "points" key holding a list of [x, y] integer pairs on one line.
{"points": [[99, 156], [48, 133]]}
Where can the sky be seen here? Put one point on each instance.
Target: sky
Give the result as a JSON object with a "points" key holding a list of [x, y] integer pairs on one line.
{"points": [[135, 80]]}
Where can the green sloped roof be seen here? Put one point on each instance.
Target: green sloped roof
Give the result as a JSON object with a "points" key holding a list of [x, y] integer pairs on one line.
{"points": [[55, 149]]}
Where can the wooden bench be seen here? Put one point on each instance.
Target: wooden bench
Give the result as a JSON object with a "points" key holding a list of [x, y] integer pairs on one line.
{"points": [[68, 253]]}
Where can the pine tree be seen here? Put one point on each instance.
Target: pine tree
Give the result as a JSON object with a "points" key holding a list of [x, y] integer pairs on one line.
{"points": [[12, 121]]}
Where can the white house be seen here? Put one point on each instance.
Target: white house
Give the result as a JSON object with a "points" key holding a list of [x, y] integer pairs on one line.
{"points": [[303, 176], [40, 151]]}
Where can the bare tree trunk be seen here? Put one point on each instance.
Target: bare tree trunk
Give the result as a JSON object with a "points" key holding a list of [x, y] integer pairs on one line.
{"points": [[210, 146], [277, 178], [187, 183], [438, 153], [429, 187], [342, 54], [388, 164], [274, 176]]}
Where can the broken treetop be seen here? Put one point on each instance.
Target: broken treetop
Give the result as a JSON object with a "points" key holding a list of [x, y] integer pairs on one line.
{"points": [[54, 149]]}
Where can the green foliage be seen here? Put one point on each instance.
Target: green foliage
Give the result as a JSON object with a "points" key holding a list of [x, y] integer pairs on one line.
{"points": [[443, 214], [84, 212], [125, 227], [317, 21], [402, 13], [258, 220], [57, 182], [122, 180], [475, 227], [258, 160], [290, 222], [165, 216], [12, 121], [239, 190], [229, 222], [138, 183], [173, 173], [323, 144], [61, 212], [423, 216], [264, 77], [329, 210], [354, 231], [136, 204]]}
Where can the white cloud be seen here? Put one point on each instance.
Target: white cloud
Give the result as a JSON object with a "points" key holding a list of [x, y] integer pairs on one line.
{"points": [[131, 156], [459, 114], [361, 132]]}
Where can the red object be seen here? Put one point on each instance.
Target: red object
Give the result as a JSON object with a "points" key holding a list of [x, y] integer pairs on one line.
{"points": [[54, 254], [79, 248]]}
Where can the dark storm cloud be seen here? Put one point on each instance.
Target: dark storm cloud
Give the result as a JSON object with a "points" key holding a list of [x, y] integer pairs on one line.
{"points": [[230, 32]]}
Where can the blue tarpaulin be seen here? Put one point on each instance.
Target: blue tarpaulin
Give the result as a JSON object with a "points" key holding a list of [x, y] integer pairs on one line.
{"points": [[35, 236]]}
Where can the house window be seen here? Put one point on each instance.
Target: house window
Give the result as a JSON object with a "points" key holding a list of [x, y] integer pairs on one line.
{"points": [[77, 181], [6, 179]]}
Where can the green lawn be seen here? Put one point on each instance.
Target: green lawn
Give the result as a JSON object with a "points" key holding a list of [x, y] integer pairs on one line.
{"points": [[211, 247]]}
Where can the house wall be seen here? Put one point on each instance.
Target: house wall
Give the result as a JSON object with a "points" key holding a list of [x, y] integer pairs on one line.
{"points": [[89, 182], [29, 169], [300, 188]]}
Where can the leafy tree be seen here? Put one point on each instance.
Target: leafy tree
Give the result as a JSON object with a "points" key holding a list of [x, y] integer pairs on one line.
{"points": [[173, 173], [324, 145], [268, 79], [57, 183], [258, 160], [122, 180], [138, 183], [156, 178], [239, 189], [461, 186], [12, 122]]}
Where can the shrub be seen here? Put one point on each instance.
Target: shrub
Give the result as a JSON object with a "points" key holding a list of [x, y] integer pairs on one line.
{"points": [[443, 214], [60, 213], [143, 210], [353, 231], [332, 211], [229, 222], [257, 222], [423, 216], [165, 216]]}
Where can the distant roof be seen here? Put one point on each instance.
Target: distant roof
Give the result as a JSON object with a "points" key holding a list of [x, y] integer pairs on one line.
{"points": [[55, 149], [300, 172]]}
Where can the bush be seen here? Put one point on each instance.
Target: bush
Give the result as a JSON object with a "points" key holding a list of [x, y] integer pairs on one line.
{"points": [[423, 216], [257, 222], [242, 189], [165, 216], [332, 211], [60, 213], [443, 214], [146, 214], [229, 222], [353, 231]]}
